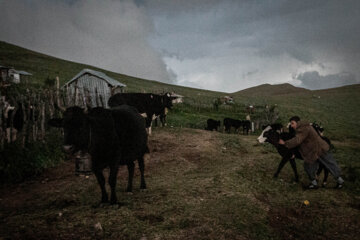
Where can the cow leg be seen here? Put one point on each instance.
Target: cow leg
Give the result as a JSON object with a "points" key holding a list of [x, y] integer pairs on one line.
{"points": [[142, 169], [281, 165], [101, 180], [130, 166], [112, 183], [150, 130], [156, 122], [163, 120], [293, 165]]}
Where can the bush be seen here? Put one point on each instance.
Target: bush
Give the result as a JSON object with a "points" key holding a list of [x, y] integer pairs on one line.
{"points": [[18, 164]]}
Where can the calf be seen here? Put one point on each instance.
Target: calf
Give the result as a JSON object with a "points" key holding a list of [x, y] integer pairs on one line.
{"points": [[229, 122], [273, 136], [112, 138], [212, 124]]}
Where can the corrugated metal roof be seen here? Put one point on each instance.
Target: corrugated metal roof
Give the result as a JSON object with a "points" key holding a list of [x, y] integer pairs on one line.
{"points": [[101, 75], [5, 67], [23, 72]]}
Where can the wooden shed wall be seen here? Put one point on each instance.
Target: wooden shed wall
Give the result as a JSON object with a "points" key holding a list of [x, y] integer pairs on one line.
{"points": [[91, 84]]}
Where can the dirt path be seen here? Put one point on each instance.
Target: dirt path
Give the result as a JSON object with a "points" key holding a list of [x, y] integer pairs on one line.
{"points": [[201, 185]]}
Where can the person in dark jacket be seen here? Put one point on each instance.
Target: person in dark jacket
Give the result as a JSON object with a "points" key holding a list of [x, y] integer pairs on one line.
{"points": [[313, 149]]}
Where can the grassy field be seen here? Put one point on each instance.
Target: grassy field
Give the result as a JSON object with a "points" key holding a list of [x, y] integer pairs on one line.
{"points": [[201, 185]]}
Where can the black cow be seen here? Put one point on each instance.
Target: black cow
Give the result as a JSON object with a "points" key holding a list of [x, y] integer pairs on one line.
{"points": [[112, 138], [246, 126], [152, 105], [15, 119], [273, 135], [212, 124], [229, 122], [12, 121], [275, 126]]}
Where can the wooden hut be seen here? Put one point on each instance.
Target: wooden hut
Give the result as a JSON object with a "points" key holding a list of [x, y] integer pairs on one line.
{"points": [[92, 86], [20, 76], [9, 75]]}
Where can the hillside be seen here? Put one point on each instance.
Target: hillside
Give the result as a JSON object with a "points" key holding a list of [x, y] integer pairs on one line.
{"points": [[336, 108], [43, 66], [271, 90]]}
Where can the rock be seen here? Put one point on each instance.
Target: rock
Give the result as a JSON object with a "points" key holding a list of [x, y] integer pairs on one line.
{"points": [[98, 227]]}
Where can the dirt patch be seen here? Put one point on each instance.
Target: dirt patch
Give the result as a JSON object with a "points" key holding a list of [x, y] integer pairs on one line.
{"points": [[313, 222], [187, 170]]}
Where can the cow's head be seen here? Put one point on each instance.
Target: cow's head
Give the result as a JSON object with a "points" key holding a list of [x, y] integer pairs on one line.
{"points": [[262, 138], [167, 100], [76, 129], [269, 135]]}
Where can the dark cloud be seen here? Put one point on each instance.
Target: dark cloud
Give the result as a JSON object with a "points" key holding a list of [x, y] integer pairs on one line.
{"points": [[219, 45], [313, 80], [108, 34]]}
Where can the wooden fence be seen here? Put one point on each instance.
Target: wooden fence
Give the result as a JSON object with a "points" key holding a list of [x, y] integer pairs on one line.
{"points": [[31, 109]]}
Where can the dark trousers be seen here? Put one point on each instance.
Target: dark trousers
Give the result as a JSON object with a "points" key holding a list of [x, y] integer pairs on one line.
{"points": [[328, 161]]}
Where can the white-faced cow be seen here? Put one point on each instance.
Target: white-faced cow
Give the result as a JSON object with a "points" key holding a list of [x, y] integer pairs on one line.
{"points": [[112, 138], [152, 105]]}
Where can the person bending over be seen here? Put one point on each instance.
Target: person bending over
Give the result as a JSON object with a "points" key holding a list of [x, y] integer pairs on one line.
{"points": [[313, 149]]}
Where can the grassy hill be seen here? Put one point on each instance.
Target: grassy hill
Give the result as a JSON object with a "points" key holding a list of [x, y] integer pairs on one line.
{"points": [[270, 90], [336, 108], [43, 66]]}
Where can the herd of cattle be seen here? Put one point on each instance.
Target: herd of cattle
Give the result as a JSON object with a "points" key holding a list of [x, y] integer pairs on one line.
{"points": [[228, 124], [117, 136]]}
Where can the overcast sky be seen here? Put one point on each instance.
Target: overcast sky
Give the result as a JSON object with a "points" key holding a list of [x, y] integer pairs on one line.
{"points": [[218, 45]]}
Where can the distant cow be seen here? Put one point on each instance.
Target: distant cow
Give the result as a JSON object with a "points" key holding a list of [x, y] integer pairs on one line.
{"points": [[272, 134], [229, 123], [13, 119], [152, 105], [112, 138], [212, 124]]}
